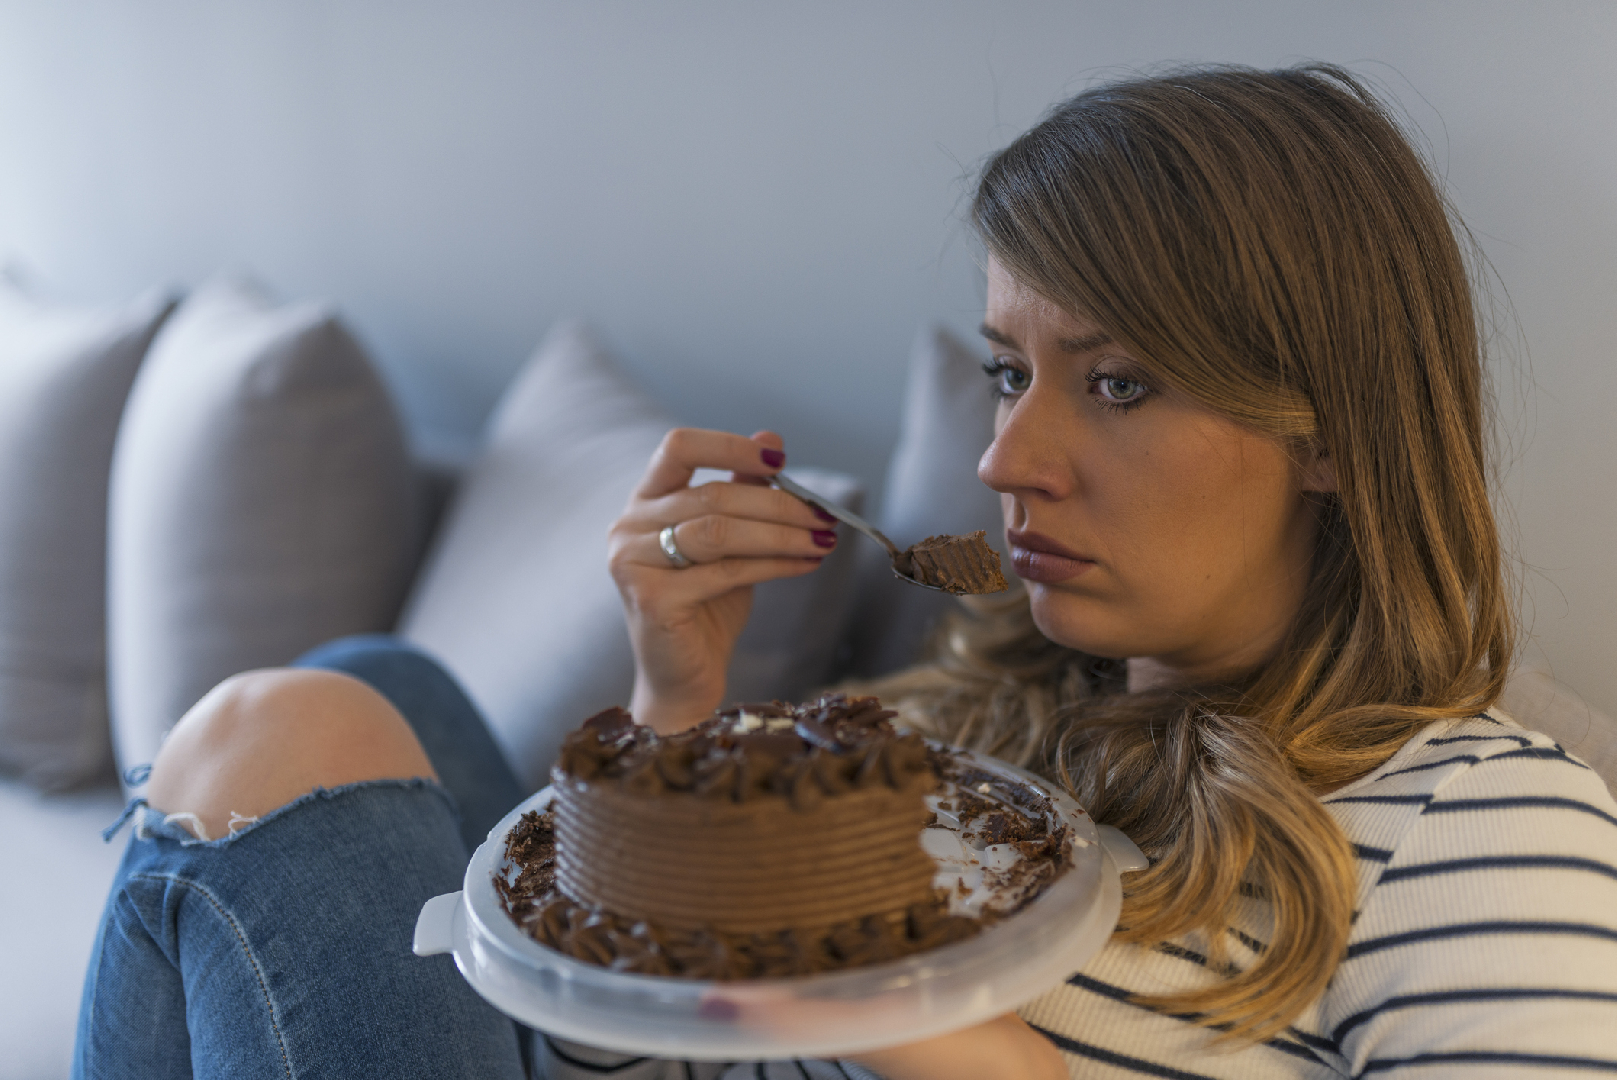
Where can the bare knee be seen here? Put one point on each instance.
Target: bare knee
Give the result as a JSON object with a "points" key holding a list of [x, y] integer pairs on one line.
{"points": [[261, 739]]}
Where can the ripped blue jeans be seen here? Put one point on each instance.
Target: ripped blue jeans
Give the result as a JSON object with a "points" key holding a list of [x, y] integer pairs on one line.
{"points": [[283, 950]]}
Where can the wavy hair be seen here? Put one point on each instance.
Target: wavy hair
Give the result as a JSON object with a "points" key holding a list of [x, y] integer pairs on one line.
{"points": [[1271, 244]]}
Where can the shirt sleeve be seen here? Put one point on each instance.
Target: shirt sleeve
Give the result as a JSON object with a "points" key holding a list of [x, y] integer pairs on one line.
{"points": [[1488, 946]]}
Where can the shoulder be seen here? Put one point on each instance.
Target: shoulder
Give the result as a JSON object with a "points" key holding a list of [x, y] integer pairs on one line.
{"points": [[1487, 908], [1482, 769], [1477, 803]]}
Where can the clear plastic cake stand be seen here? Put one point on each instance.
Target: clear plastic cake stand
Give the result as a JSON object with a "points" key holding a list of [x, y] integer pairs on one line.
{"points": [[828, 1015]]}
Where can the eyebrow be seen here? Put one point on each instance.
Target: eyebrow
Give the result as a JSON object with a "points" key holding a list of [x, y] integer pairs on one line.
{"points": [[1083, 344]]}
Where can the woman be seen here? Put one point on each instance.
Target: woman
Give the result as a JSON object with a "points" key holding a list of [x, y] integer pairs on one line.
{"points": [[1240, 450]]}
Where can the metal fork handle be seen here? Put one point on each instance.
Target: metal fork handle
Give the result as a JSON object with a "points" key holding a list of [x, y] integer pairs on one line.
{"points": [[847, 517]]}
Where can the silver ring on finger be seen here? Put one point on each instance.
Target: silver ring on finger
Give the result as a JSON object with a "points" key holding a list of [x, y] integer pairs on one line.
{"points": [[665, 540]]}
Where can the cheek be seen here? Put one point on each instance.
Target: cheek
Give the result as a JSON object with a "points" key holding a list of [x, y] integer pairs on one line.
{"points": [[1197, 516]]}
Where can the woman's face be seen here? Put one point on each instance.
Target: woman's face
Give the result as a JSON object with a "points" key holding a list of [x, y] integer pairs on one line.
{"points": [[1145, 525]]}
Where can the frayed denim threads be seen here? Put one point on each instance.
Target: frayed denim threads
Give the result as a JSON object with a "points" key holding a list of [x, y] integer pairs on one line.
{"points": [[153, 824]]}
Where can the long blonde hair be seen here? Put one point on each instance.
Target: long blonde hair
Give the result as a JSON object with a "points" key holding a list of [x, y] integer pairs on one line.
{"points": [[1270, 244]]}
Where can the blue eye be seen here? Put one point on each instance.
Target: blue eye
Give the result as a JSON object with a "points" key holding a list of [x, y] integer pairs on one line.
{"points": [[1008, 379], [1113, 391]]}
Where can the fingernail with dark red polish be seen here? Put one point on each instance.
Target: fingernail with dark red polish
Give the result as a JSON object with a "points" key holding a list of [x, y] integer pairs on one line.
{"points": [[825, 538], [821, 514], [718, 1009], [773, 458]]}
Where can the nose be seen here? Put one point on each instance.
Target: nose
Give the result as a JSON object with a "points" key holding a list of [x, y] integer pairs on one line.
{"points": [[1024, 459]]}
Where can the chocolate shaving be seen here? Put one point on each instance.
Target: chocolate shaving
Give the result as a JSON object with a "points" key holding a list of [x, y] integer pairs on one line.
{"points": [[748, 751]]}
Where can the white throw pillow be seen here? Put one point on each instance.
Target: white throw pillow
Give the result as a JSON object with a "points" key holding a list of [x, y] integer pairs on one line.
{"points": [[932, 487], [516, 598], [64, 375], [262, 502]]}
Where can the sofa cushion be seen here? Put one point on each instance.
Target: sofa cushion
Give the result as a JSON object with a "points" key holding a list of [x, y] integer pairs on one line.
{"points": [[946, 423], [64, 375], [1536, 700], [516, 597], [262, 502]]}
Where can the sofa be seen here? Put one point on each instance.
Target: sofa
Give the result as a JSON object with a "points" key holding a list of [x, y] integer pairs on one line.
{"points": [[201, 486]]}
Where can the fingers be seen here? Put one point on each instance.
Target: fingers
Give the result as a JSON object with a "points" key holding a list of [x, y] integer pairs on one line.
{"points": [[764, 504], [745, 532], [719, 521], [716, 578], [766, 440], [684, 450], [714, 538]]}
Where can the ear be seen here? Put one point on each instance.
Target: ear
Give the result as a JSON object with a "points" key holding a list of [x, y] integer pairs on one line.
{"points": [[1318, 468]]}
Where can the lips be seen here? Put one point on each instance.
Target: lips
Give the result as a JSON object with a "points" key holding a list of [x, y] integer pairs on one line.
{"points": [[1040, 558]]}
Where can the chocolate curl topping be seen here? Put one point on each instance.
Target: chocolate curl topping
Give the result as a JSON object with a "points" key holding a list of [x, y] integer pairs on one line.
{"points": [[836, 724], [609, 725], [763, 709], [750, 751], [598, 741]]}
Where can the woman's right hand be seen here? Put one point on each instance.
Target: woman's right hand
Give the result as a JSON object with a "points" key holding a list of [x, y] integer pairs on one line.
{"points": [[684, 621]]}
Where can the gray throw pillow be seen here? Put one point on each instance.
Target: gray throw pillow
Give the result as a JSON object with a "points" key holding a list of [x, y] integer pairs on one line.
{"points": [[516, 597], [64, 375], [262, 502], [932, 487]]}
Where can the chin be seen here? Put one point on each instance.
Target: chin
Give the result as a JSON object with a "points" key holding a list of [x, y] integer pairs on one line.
{"points": [[1079, 624]]}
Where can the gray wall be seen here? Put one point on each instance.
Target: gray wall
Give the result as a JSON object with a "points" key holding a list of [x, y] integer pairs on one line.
{"points": [[758, 203]]}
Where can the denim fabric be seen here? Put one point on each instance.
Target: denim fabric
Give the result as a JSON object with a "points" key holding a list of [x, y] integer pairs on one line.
{"points": [[451, 730], [284, 949]]}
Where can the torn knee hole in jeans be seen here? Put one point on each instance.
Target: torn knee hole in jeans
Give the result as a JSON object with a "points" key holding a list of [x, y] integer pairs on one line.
{"points": [[195, 826]]}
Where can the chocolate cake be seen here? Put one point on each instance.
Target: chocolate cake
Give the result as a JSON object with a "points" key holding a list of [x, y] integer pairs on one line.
{"points": [[957, 564], [768, 840]]}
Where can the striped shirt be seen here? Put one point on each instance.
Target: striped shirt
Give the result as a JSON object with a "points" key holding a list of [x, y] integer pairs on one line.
{"points": [[1484, 942]]}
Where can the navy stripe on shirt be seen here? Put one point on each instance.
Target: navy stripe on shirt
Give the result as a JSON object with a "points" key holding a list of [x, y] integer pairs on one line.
{"points": [[1371, 854], [1179, 952], [1513, 802], [1471, 758], [1252, 943], [1490, 1057], [1121, 1061], [1127, 997], [1519, 740], [1498, 862], [1404, 800], [1499, 926], [590, 1066], [1543, 753], [1547, 753], [1446, 997]]}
